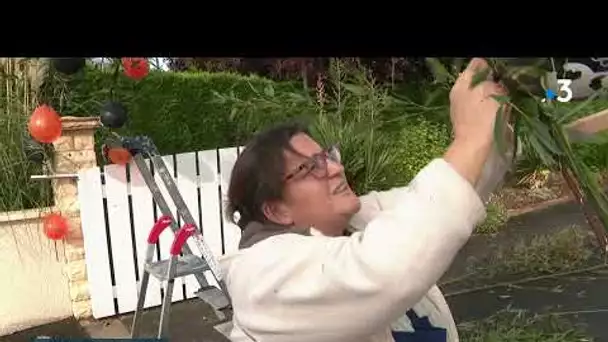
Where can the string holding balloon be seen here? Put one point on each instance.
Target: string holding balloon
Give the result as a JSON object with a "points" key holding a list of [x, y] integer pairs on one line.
{"points": [[112, 113]]}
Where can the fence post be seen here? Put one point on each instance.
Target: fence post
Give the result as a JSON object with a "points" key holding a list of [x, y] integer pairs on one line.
{"points": [[74, 151]]}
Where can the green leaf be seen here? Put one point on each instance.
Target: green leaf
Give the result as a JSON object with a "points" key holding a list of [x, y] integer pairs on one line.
{"points": [[357, 90], [269, 90], [233, 112], [502, 99], [479, 77], [297, 97], [499, 130], [541, 151], [252, 87], [516, 136], [457, 65], [576, 110], [217, 98], [541, 132], [440, 73], [433, 96]]}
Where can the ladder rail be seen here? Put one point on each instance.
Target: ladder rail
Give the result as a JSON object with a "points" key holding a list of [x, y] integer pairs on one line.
{"points": [[164, 207], [184, 213]]}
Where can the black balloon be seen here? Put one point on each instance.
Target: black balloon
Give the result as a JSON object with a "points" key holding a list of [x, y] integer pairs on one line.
{"points": [[113, 114], [68, 66]]}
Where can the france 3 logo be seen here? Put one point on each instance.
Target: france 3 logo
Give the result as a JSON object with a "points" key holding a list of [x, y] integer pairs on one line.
{"points": [[578, 78]]}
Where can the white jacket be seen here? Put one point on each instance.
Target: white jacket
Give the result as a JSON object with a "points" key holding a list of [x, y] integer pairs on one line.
{"points": [[295, 288]]}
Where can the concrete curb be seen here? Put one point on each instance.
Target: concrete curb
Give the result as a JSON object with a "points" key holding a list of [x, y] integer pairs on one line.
{"points": [[539, 206]]}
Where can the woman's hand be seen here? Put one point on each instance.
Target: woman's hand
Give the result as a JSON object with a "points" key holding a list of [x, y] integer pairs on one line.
{"points": [[473, 111]]}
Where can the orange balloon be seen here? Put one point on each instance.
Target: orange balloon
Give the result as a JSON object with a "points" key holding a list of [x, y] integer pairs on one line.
{"points": [[45, 124], [55, 226], [119, 155]]}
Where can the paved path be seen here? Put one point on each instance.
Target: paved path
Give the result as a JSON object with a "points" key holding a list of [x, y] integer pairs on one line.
{"points": [[583, 293]]}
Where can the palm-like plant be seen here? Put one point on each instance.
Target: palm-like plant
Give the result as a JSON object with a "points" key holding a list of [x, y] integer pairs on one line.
{"points": [[544, 128]]}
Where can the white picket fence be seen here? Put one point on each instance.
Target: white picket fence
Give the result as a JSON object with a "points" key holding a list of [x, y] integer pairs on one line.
{"points": [[117, 212]]}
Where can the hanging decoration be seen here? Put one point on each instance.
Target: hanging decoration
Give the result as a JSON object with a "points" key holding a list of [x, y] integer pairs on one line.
{"points": [[68, 66], [45, 124], [136, 67], [113, 114], [55, 226]]}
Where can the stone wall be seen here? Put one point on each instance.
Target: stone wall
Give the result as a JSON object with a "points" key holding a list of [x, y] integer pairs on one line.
{"points": [[74, 151]]}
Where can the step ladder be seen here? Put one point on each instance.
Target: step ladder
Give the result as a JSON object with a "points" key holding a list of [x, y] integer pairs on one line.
{"points": [[142, 148], [166, 271]]}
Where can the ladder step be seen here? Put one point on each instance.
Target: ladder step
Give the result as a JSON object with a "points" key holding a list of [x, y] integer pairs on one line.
{"points": [[214, 297], [186, 265], [224, 328]]}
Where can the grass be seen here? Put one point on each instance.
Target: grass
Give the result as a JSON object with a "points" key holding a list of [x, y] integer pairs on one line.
{"points": [[521, 326], [542, 255], [565, 250], [496, 218]]}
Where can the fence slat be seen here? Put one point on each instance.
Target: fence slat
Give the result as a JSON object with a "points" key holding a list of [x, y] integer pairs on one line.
{"points": [[232, 233], [166, 238], [94, 235], [120, 237], [188, 188], [210, 208], [143, 220]]}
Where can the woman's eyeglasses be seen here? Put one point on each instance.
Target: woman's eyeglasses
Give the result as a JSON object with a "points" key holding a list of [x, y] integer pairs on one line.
{"points": [[316, 164]]}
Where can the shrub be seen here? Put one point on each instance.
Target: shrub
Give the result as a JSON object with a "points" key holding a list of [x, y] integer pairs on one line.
{"points": [[175, 109], [420, 142]]}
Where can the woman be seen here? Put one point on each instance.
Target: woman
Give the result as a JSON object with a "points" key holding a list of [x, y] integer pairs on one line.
{"points": [[299, 276]]}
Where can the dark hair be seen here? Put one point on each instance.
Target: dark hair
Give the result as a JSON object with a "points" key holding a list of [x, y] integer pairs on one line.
{"points": [[257, 175]]}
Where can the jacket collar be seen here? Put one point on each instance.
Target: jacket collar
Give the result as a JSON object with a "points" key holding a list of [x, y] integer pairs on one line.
{"points": [[255, 232]]}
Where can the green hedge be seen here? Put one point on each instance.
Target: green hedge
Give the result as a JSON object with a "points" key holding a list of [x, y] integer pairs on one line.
{"points": [[177, 110]]}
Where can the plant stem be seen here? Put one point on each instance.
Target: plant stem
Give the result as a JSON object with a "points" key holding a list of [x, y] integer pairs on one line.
{"points": [[586, 191], [590, 217]]}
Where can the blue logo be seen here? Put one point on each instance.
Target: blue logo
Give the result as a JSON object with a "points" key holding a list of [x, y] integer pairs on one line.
{"points": [[550, 94]]}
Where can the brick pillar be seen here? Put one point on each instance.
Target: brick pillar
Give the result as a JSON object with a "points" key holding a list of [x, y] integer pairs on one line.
{"points": [[74, 151]]}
